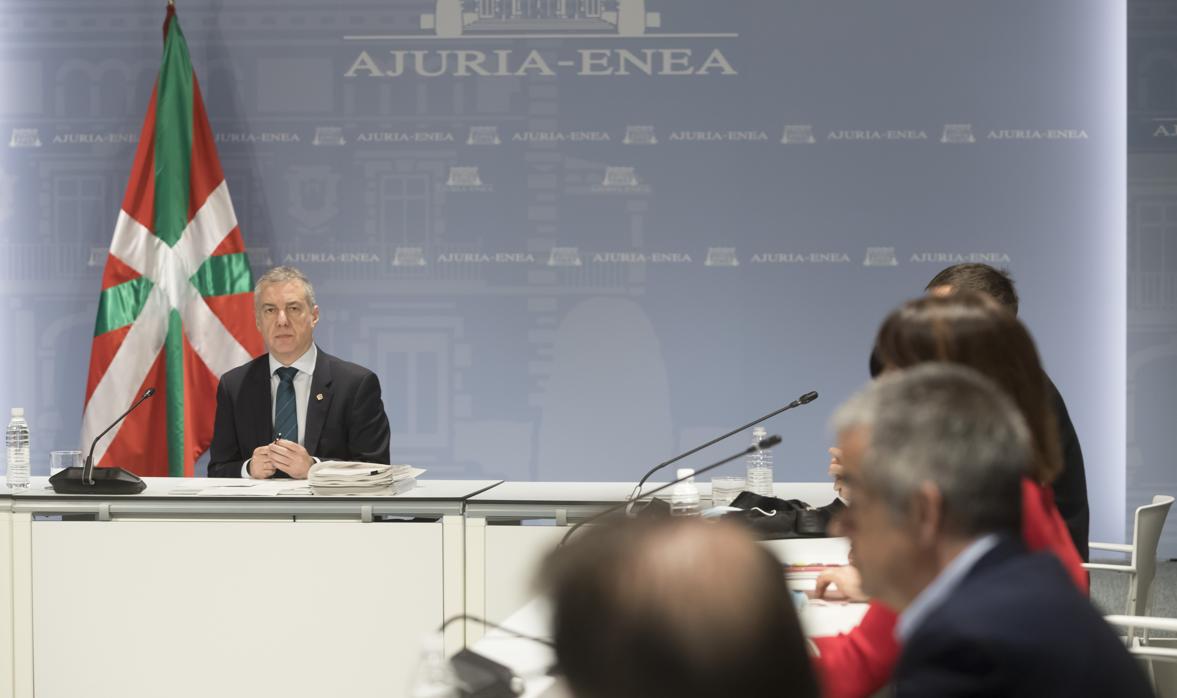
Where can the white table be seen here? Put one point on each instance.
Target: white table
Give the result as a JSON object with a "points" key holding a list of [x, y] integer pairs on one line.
{"points": [[181, 595], [506, 539], [292, 596]]}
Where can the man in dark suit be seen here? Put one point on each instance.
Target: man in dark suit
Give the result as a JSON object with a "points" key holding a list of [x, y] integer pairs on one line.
{"points": [[282, 412], [934, 456], [1070, 489]]}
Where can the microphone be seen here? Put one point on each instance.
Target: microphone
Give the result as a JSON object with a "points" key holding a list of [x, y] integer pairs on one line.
{"points": [[803, 400], [82, 480], [763, 445]]}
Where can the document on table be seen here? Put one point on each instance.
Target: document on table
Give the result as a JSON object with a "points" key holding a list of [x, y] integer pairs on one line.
{"points": [[256, 488]]}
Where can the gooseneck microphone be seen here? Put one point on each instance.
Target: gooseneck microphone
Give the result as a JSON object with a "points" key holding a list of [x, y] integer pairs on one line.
{"points": [[82, 480], [803, 400], [762, 445]]}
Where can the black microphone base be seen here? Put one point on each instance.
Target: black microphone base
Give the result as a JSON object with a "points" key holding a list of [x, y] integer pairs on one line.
{"points": [[106, 481]]}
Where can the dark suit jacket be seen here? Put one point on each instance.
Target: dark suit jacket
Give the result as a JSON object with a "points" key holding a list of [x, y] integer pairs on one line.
{"points": [[1016, 626], [1070, 489], [349, 423]]}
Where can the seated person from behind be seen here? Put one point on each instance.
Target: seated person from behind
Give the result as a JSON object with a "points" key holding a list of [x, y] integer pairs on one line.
{"points": [[295, 405], [681, 608]]}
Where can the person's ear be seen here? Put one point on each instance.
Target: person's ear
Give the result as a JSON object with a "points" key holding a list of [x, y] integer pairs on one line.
{"points": [[314, 315], [927, 514]]}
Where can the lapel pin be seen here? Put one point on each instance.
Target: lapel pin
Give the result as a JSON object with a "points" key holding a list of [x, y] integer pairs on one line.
{"points": [[319, 396]]}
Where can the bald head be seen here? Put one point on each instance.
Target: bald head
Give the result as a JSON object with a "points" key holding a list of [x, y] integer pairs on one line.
{"points": [[674, 607]]}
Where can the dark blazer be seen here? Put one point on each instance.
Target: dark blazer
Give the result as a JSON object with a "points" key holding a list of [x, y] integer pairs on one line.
{"points": [[1070, 489], [1016, 626], [348, 423]]}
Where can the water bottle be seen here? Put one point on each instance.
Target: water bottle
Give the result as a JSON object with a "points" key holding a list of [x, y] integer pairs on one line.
{"points": [[17, 440], [434, 677], [684, 497], [759, 480]]}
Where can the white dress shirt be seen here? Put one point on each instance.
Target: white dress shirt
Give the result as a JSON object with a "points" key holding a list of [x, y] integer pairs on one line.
{"points": [[302, 392]]}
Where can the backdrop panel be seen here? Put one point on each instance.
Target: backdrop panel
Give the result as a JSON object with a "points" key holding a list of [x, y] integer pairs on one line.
{"points": [[576, 236]]}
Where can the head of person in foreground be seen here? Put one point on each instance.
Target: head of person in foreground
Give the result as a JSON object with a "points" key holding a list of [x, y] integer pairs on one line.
{"points": [[674, 607]]}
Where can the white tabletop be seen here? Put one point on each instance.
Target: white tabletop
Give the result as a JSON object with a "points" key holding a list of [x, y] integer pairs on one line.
{"points": [[188, 486], [581, 499], [816, 493], [165, 495]]}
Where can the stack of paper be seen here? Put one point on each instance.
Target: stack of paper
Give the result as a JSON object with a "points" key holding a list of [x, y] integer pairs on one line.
{"points": [[334, 478]]}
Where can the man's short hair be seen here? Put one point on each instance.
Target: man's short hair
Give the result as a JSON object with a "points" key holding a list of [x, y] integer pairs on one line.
{"points": [[279, 275], [674, 607], [949, 425], [998, 284]]}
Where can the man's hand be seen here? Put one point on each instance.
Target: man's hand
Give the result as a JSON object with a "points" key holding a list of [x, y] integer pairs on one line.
{"points": [[838, 471], [291, 458], [260, 465], [847, 580]]}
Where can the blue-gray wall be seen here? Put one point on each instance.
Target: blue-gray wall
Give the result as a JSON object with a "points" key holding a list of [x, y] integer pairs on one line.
{"points": [[545, 298]]}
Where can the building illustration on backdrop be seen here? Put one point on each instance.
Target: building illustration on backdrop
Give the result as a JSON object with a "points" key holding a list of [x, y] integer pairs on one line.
{"points": [[452, 18]]}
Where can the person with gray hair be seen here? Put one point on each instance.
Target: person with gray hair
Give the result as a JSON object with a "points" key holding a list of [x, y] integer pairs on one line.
{"points": [[295, 405], [935, 456]]}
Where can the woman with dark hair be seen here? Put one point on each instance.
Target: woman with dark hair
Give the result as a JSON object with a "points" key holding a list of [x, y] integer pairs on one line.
{"points": [[975, 331]]}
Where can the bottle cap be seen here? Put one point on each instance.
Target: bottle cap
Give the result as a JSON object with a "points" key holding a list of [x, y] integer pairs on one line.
{"points": [[18, 411], [684, 472]]}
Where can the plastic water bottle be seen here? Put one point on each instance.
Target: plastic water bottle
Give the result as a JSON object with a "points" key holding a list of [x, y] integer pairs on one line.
{"points": [[684, 497], [434, 677], [759, 480], [17, 440]]}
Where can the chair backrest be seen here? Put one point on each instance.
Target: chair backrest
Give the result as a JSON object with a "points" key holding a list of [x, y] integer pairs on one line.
{"points": [[1146, 535]]}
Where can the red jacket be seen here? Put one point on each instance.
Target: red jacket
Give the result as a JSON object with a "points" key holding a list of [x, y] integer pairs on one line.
{"points": [[859, 663]]}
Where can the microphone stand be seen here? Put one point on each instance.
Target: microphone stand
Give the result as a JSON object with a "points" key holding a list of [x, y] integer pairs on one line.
{"points": [[763, 445], [80, 480], [803, 400]]}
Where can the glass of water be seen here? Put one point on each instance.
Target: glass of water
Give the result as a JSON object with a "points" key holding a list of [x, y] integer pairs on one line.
{"points": [[60, 460], [725, 488]]}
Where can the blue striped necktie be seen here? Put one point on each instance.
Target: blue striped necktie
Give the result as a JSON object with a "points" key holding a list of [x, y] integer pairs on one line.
{"points": [[285, 414]]}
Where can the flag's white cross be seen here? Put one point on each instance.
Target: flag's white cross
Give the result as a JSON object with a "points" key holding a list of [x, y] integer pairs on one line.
{"points": [[170, 269]]}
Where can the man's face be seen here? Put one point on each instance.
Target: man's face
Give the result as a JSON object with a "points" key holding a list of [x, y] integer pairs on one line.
{"points": [[285, 320], [884, 548]]}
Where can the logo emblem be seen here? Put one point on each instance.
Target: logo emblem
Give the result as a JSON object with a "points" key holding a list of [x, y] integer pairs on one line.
{"points": [[620, 177], [314, 195], [25, 138], [564, 257], [329, 135], [621, 17], [483, 135], [880, 257], [640, 135], [958, 133], [798, 133], [721, 257], [465, 178], [408, 257]]}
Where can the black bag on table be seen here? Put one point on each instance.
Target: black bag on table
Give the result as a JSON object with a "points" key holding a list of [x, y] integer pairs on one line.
{"points": [[774, 519]]}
